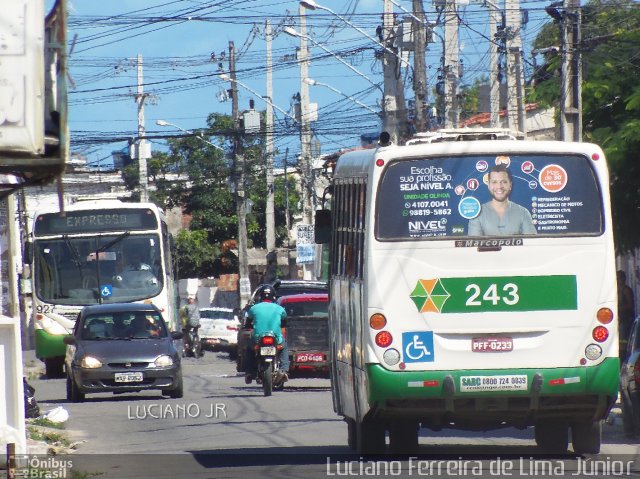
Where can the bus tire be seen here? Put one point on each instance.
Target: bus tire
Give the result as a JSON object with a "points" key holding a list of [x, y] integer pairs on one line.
{"points": [[552, 436], [54, 367], [370, 437], [403, 437], [351, 433], [586, 437]]}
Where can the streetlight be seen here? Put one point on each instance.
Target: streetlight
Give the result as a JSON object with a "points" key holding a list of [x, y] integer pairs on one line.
{"points": [[197, 135], [294, 33], [312, 5], [312, 82]]}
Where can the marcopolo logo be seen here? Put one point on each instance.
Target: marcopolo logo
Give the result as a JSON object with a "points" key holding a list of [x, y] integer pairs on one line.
{"points": [[429, 295]]}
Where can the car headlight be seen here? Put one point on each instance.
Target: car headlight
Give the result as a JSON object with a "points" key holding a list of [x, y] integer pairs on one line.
{"points": [[164, 361], [89, 362]]}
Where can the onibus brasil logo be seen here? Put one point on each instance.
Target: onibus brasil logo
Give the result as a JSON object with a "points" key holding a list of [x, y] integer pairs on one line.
{"points": [[429, 295]]}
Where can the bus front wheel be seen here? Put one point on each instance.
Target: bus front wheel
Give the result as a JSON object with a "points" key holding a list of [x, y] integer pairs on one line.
{"points": [[54, 367], [586, 437]]}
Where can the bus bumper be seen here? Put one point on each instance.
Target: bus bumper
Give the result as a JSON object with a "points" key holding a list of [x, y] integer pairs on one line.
{"points": [[49, 345], [461, 399]]}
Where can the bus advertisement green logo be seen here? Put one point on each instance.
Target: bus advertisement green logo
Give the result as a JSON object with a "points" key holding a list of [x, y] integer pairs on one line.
{"points": [[496, 293]]}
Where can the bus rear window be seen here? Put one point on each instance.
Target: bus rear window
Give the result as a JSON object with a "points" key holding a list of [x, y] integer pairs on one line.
{"points": [[482, 195]]}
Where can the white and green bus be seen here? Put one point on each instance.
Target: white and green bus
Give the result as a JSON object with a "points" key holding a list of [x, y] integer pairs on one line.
{"points": [[440, 320], [96, 252]]}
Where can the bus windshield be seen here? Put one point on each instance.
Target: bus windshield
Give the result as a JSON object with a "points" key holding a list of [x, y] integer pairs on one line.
{"points": [[80, 270], [494, 196]]}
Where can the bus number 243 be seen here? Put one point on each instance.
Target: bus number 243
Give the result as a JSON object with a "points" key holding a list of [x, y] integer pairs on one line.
{"points": [[491, 294]]}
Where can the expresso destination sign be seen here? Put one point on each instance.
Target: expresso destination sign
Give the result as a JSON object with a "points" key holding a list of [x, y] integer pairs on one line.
{"points": [[73, 222]]}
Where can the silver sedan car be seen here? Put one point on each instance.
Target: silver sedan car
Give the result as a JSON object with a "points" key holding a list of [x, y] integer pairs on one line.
{"points": [[122, 347]]}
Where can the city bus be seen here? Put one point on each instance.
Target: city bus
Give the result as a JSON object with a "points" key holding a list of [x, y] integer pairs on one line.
{"points": [[437, 323], [96, 252]]}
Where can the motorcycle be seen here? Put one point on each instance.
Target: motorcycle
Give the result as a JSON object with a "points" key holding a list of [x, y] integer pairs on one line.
{"points": [[193, 344], [267, 352]]}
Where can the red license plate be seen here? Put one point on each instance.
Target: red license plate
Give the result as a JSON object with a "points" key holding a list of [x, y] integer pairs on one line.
{"points": [[308, 357], [491, 345]]}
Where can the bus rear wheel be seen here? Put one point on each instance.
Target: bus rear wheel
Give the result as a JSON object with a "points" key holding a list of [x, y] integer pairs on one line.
{"points": [[552, 435], [369, 436], [586, 437], [403, 437]]}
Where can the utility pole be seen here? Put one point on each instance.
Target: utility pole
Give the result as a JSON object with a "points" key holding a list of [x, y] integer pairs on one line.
{"points": [[142, 150], [241, 203], [419, 66], [270, 203], [571, 83], [514, 70], [451, 65], [494, 81], [305, 128], [390, 68]]}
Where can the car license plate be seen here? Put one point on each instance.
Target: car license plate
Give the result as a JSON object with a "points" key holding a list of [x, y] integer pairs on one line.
{"points": [[128, 377], [309, 357], [268, 351], [491, 345]]}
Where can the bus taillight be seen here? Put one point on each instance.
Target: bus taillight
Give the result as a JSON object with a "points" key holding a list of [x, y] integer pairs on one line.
{"points": [[384, 339], [604, 315], [39, 316], [600, 334], [377, 321]]}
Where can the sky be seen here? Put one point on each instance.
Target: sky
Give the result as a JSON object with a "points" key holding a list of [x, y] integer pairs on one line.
{"points": [[185, 43]]}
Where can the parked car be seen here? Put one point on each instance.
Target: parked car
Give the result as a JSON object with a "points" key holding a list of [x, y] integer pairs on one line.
{"points": [[219, 329], [282, 287], [630, 383], [307, 330], [122, 347]]}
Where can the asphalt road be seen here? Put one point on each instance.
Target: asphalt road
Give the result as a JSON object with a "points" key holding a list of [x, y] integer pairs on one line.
{"points": [[223, 428]]}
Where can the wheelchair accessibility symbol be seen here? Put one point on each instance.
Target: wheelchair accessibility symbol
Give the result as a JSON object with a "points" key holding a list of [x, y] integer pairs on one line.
{"points": [[417, 347], [106, 290]]}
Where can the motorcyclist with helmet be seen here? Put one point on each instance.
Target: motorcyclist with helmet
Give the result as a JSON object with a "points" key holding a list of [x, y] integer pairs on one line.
{"points": [[266, 316]]}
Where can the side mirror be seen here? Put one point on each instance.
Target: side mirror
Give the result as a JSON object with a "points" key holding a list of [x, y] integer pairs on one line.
{"points": [[176, 335], [69, 340], [322, 229]]}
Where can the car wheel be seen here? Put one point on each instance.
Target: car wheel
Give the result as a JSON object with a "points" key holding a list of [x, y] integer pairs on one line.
{"points": [[73, 393], [178, 391]]}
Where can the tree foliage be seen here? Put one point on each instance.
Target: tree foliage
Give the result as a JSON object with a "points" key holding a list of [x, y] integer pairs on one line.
{"points": [[610, 101], [200, 178]]}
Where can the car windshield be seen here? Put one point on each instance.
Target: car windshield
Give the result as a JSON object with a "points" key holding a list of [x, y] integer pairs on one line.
{"points": [[124, 325], [216, 314], [307, 308]]}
